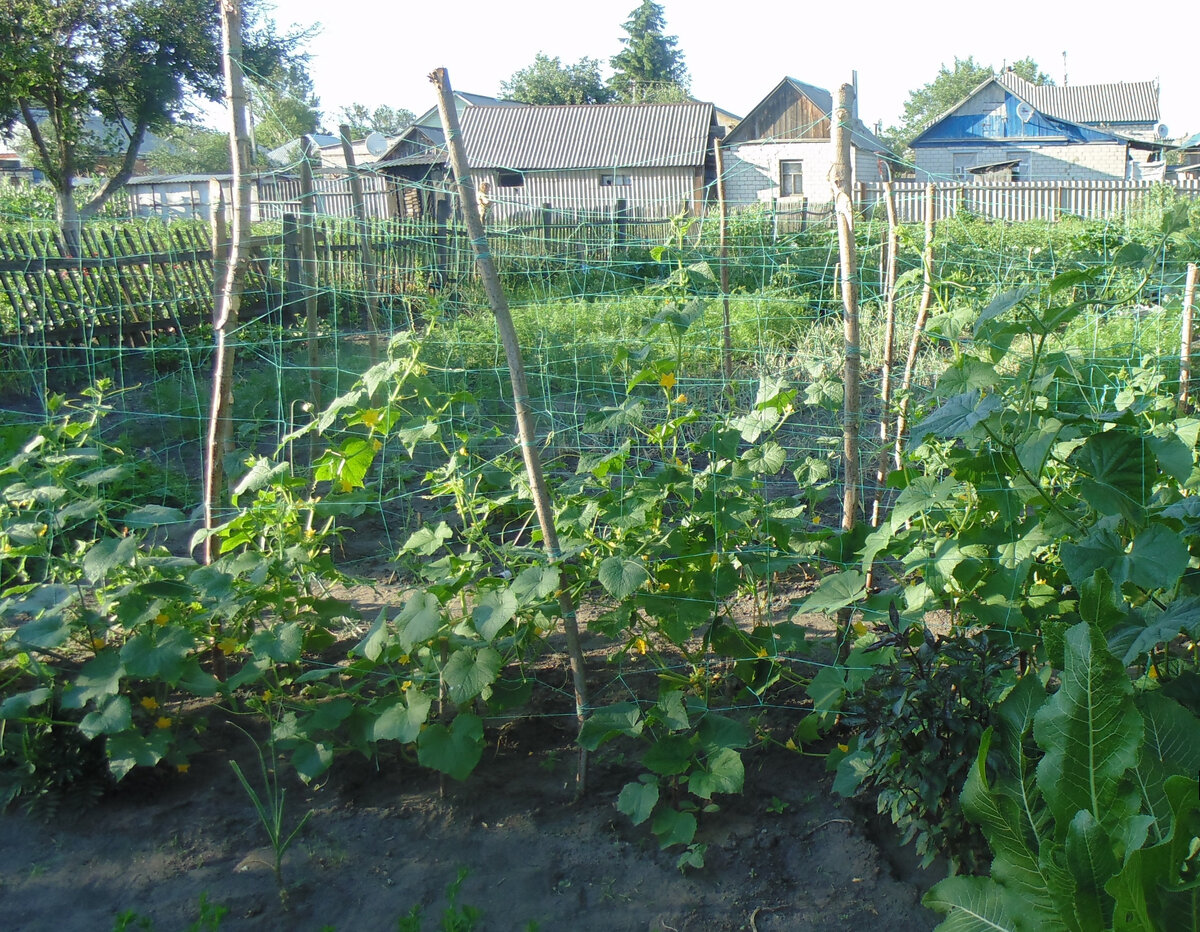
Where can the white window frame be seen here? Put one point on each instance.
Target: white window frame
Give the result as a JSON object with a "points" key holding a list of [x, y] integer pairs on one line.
{"points": [[615, 180], [786, 189]]}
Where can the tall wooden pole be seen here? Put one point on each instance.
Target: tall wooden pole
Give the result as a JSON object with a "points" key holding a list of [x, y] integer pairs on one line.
{"points": [[370, 276], [228, 298], [727, 337], [842, 179], [1185, 342], [889, 347], [516, 371], [914, 346], [308, 262]]}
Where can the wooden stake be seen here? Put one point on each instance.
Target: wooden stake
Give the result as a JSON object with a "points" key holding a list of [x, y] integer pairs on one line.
{"points": [[841, 179], [848, 261], [889, 345], [1185, 343], [516, 371], [914, 346], [228, 298], [308, 262], [370, 275], [727, 337]]}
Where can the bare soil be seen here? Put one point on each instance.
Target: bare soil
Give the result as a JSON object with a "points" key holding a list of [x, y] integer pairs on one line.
{"points": [[383, 841], [386, 838]]}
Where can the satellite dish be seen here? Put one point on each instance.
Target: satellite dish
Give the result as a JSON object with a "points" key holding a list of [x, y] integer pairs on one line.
{"points": [[1025, 112], [377, 144], [1161, 131]]}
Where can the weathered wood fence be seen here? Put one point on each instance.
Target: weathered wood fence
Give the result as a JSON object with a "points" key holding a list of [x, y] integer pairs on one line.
{"points": [[138, 278]]}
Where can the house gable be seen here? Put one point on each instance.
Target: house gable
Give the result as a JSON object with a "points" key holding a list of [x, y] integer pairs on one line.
{"points": [[990, 114], [792, 111]]}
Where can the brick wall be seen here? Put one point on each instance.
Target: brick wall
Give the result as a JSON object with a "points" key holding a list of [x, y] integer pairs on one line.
{"points": [[752, 169], [1083, 162]]}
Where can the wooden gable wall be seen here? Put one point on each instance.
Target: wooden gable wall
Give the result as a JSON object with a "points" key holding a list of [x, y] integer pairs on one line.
{"points": [[787, 114]]}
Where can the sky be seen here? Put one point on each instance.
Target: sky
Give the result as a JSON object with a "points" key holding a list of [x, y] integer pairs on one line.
{"points": [[374, 52]]}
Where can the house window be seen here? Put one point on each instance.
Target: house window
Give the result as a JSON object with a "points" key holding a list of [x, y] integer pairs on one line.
{"points": [[511, 179], [791, 178], [963, 162], [615, 181]]}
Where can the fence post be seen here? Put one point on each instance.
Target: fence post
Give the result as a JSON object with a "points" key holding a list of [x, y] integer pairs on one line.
{"points": [[293, 274], [622, 220], [368, 256], [723, 259], [1185, 343]]}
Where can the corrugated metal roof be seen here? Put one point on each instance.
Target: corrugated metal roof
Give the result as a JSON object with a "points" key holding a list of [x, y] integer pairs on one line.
{"points": [[587, 135], [1124, 102]]}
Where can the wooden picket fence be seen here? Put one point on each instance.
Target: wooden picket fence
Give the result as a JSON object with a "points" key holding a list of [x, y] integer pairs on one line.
{"points": [[135, 279]]}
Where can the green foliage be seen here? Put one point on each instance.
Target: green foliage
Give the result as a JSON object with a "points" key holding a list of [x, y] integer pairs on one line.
{"points": [[649, 67], [362, 120], [920, 720], [549, 81], [270, 807], [211, 915], [191, 149], [134, 63], [1059, 789]]}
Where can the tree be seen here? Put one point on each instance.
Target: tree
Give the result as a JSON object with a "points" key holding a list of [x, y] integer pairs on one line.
{"points": [[135, 64], [363, 121], [548, 81], [192, 149], [927, 103], [649, 68], [283, 105]]}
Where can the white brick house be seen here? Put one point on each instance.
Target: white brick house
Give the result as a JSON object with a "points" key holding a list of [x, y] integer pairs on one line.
{"points": [[783, 148]]}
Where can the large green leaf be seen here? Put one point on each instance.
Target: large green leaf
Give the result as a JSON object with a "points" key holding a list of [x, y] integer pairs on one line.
{"points": [[1011, 813], [535, 582], [401, 718], [470, 672], [109, 717], [107, 554], [1161, 626], [766, 458], [1090, 731], [958, 415], [1152, 892], [1090, 858], [454, 750], [493, 610], [637, 800], [974, 904], [1171, 748], [280, 643], [99, 678], [622, 577], [1155, 559], [130, 749], [1121, 473], [835, 592], [419, 619], [158, 654]]}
